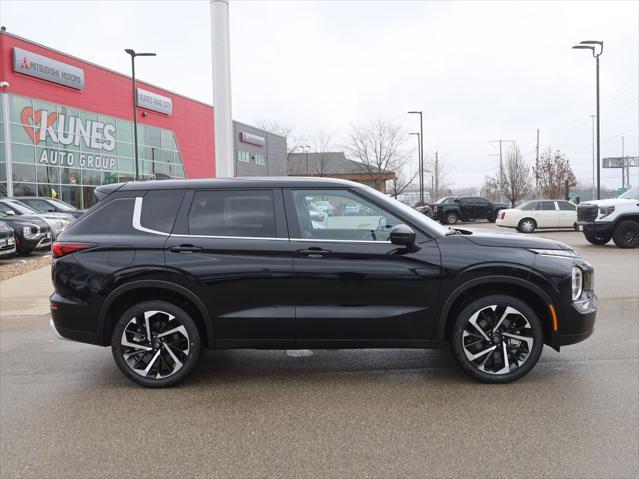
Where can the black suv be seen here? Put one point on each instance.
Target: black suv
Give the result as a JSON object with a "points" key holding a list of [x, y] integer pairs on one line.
{"points": [[159, 270]]}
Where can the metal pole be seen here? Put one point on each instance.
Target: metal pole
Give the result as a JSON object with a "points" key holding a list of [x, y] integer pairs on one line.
{"points": [[135, 119], [537, 164], [592, 117], [436, 192], [421, 159], [623, 165], [306, 160], [598, 137]]}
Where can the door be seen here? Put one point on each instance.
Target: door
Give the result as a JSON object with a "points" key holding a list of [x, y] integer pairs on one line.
{"points": [[567, 214], [231, 247], [481, 208], [547, 215], [467, 208], [352, 286]]}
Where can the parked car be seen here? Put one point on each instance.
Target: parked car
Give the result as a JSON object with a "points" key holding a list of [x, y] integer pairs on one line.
{"points": [[616, 219], [238, 263], [466, 208], [539, 214], [425, 210], [7, 240], [324, 207], [57, 221], [43, 204], [30, 232]]}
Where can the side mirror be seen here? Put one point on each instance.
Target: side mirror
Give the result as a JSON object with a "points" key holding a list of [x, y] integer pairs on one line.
{"points": [[402, 235], [11, 213]]}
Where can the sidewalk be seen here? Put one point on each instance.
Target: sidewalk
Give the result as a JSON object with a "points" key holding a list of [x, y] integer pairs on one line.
{"points": [[27, 294]]}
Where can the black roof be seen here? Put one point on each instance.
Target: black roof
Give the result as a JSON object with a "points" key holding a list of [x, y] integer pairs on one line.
{"points": [[240, 182]]}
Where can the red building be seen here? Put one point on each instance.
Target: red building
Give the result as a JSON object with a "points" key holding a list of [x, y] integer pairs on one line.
{"points": [[66, 126]]}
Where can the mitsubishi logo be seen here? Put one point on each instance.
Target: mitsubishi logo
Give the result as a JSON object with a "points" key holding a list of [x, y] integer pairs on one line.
{"points": [[25, 63]]}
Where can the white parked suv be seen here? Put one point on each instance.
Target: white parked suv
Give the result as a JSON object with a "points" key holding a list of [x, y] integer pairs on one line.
{"points": [[538, 214], [616, 218]]}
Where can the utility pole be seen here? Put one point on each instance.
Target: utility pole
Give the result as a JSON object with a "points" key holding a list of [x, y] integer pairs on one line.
{"points": [[501, 160], [623, 165], [436, 177], [537, 164]]}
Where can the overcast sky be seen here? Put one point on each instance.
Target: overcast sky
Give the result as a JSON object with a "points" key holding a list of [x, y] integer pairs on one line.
{"points": [[479, 70]]}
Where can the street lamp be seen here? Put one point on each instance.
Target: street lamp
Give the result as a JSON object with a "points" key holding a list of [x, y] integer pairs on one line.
{"points": [[592, 46], [307, 149], [419, 158], [421, 154], [135, 104]]}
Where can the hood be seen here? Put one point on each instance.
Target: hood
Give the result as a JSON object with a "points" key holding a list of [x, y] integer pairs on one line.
{"points": [[512, 240], [24, 220], [611, 202]]}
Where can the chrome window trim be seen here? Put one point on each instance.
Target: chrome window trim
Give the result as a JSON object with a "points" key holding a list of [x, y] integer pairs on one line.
{"points": [[311, 240], [232, 237]]}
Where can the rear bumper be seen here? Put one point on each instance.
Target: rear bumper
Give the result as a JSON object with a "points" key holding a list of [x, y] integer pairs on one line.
{"points": [[74, 319]]}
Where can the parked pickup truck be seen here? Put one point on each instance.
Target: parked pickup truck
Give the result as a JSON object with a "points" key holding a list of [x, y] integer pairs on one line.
{"points": [[450, 210], [616, 219]]}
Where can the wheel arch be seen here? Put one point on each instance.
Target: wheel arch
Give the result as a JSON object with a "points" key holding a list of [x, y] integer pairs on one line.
{"points": [[126, 295], [525, 290]]}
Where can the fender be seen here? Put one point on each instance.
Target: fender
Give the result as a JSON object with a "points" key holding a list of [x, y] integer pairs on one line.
{"points": [[158, 284], [441, 323]]}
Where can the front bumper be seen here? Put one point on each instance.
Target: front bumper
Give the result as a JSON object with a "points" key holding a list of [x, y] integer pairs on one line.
{"points": [[576, 321], [7, 246], [594, 226]]}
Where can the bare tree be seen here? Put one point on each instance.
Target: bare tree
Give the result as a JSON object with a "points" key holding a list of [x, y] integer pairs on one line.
{"points": [[490, 188], [294, 141], [322, 143], [402, 181], [515, 178], [553, 173], [378, 146]]}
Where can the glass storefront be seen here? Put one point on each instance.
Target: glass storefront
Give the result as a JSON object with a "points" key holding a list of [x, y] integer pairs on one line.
{"points": [[66, 152]]}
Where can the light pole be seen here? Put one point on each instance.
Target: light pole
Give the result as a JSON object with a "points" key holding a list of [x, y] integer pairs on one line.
{"points": [[592, 117], [591, 45], [135, 104], [307, 149], [421, 155]]}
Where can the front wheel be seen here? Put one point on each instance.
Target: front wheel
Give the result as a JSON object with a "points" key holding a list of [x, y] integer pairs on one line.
{"points": [[598, 238], [156, 344], [497, 339], [626, 234]]}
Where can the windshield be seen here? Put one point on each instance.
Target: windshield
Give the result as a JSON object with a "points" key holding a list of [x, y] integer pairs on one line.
{"points": [[632, 194], [413, 215]]}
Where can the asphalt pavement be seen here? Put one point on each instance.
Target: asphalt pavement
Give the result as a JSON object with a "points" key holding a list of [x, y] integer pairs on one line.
{"points": [[66, 410]]}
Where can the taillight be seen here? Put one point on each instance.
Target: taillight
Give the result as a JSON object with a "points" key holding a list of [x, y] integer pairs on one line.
{"points": [[58, 250], [502, 215]]}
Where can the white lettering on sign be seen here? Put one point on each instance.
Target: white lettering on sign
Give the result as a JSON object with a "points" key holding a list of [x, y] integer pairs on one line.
{"points": [[155, 102]]}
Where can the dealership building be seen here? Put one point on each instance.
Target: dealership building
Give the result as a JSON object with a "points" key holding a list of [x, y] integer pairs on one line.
{"points": [[66, 127]]}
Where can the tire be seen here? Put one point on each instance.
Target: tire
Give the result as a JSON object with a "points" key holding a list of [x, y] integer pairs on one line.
{"points": [[451, 218], [165, 362], [598, 238], [626, 234], [527, 225], [488, 326]]}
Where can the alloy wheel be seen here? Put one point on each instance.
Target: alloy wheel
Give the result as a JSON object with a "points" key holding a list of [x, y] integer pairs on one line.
{"points": [[527, 226], [497, 339], [155, 344]]}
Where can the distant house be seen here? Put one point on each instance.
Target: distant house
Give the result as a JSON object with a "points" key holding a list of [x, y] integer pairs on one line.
{"points": [[336, 165]]}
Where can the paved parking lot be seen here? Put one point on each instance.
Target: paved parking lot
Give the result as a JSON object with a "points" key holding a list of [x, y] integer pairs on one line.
{"points": [[66, 411]]}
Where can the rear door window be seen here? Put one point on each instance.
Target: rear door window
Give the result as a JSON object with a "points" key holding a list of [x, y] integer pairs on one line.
{"points": [[244, 213], [547, 205], [565, 206]]}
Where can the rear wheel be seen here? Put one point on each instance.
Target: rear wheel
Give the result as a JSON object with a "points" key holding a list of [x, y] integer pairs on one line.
{"points": [[156, 344], [626, 234], [598, 238], [527, 225], [451, 218], [497, 339]]}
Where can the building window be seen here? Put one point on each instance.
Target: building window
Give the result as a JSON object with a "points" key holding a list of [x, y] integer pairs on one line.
{"points": [[244, 156], [260, 160]]}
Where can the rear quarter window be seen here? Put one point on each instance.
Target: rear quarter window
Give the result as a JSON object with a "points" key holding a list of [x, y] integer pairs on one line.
{"points": [[160, 208], [115, 217]]}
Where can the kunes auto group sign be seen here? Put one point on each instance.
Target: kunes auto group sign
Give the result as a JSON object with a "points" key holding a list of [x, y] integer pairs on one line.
{"points": [[65, 130]]}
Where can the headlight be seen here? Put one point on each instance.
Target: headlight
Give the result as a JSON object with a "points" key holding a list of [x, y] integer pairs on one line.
{"points": [[606, 210], [28, 232], [577, 282], [565, 253]]}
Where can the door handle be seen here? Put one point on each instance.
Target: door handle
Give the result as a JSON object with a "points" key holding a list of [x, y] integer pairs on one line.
{"points": [[313, 252], [185, 248]]}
